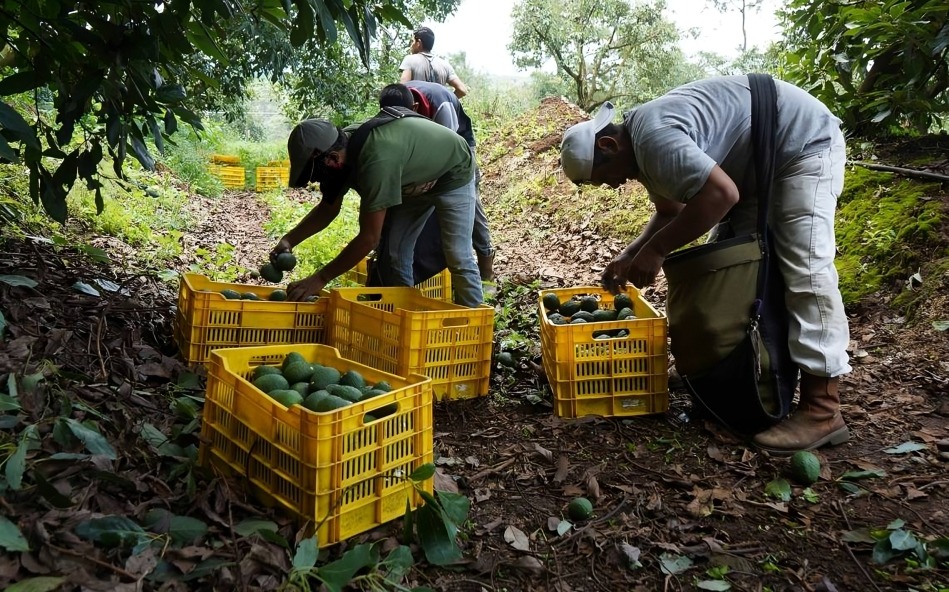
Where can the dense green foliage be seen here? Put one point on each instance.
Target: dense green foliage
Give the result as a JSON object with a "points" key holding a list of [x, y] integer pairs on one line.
{"points": [[110, 76], [880, 65], [607, 50]]}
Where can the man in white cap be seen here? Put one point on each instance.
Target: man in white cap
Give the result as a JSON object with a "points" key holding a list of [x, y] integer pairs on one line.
{"points": [[404, 168], [692, 150]]}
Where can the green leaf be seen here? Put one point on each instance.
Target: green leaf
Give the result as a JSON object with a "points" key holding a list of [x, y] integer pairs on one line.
{"points": [[93, 440], [718, 585], [11, 120], [18, 280], [40, 584], [861, 535], [674, 564], [185, 529], [563, 526], [16, 464], [940, 325], [852, 488], [11, 538], [857, 475], [883, 553], [426, 471], [398, 564], [308, 551], [896, 524], [250, 526], [338, 574], [112, 531], [159, 441], [3, 326], [85, 289], [439, 547], [454, 506], [906, 447], [8, 403], [901, 540], [779, 489]]}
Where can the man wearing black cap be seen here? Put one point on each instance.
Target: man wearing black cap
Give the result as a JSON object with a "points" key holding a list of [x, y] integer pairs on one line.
{"points": [[422, 65], [404, 168]]}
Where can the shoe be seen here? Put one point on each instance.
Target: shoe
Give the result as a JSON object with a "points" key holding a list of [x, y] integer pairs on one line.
{"points": [[486, 267], [816, 421]]}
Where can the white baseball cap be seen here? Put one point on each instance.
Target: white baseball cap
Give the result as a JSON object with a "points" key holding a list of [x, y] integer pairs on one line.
{"points": [[576, 148]]}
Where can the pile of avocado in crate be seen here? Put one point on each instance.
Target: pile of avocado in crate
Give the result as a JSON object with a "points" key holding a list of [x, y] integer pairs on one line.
{"points": [[586, 309], [317, 387]]}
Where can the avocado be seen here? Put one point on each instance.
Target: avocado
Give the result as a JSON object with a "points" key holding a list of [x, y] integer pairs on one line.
{"points": [[301, 387], [507, 359], [382, 386], [312, 400], [350, 393], [352, 378], [557, 319], [805, 467], [373, 392], [271, 273], [323, 376], [292, 358], [278, 296], [625, 313], [578, 321], [330, 403], [622, 301], [286, 261], [604, 314], [583, 314], [589, 303], [286, 397], [551, 301], [249, 296], [231, 294], [271, 382], [580, 508], [261, 370], [298, 372], [569, 308]]}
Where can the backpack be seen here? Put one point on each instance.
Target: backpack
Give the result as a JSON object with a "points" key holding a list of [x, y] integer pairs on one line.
{"points": [[728, 325]]}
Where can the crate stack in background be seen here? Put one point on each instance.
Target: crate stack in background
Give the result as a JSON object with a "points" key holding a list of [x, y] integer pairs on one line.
{"points": [[228, 170], [604, 367], [276, 175]]}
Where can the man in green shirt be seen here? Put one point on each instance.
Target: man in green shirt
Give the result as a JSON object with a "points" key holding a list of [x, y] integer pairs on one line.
{"points": [[404, 168]]}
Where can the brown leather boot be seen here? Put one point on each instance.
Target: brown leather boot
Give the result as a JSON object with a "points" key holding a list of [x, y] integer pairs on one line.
{"points": [[486, 267], [815, 422]]}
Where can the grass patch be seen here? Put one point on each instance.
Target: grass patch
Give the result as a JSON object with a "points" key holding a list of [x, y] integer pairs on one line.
{"points": [[886, 229]]}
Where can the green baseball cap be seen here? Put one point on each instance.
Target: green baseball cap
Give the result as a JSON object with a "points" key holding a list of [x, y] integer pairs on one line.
{"points": [[308, 137]]}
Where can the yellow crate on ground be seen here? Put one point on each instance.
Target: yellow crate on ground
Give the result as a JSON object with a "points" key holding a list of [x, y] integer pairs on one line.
{"points": [[606, 376], [232, 177], [401, 331], [340, 467], [437, 287], [273, 177], [206, 320], [225, 159]]}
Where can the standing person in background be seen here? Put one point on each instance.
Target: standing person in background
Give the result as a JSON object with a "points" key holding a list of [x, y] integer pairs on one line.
{"points": [[422, 65], [438, 104]]}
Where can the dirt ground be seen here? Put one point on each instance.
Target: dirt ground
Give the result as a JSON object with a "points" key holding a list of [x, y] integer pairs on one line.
{"points": [[679, 504]]}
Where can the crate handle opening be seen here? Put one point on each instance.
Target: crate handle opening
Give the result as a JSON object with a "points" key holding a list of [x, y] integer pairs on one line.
{"points": [[456, 322], [374, 297], [383, 412], [609, 334]]}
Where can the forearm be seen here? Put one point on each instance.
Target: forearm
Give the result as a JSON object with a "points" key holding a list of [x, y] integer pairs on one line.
{"points": [[348, 258], [657, 222], [315, 221]]}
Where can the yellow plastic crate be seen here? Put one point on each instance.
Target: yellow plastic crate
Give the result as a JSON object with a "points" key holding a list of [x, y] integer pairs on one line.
{"points": [[225, 159], [274, 177], [401, 331], [437, 287], [333, 467], [232, 177], [206, 320], [618, 376]]}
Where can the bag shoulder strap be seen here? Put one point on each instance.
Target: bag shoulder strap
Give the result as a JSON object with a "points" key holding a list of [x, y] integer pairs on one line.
{"points": [[335, 189], [764, 115], [384, 116]]}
